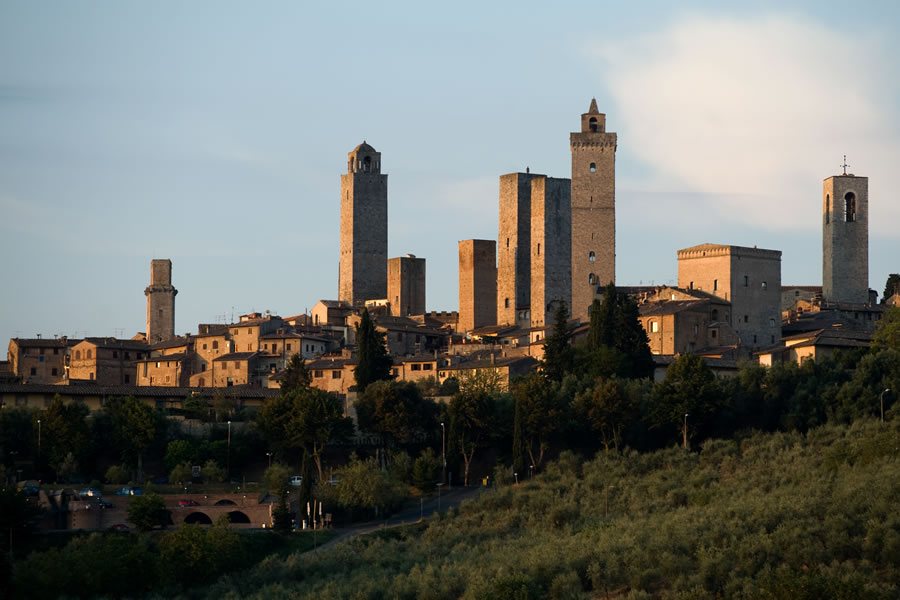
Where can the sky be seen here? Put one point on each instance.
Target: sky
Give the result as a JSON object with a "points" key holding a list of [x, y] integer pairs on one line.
{"points": [[215, 134]]}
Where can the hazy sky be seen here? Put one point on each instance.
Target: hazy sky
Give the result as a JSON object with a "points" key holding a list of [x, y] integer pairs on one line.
{"points": [[215, 133]]}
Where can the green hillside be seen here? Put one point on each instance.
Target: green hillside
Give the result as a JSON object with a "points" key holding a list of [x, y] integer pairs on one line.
{"points": [[782, 515]]}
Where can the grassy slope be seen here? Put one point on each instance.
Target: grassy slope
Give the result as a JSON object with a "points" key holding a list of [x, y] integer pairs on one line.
{"points": [[772, 516]]}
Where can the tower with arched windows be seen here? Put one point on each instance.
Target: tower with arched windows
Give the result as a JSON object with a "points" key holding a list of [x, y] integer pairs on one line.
{"points": [[593, 209], [364, 228], [845, 239]]}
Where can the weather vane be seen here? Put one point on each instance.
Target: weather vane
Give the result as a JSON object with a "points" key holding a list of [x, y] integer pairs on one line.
{"points": [[845, 165]]}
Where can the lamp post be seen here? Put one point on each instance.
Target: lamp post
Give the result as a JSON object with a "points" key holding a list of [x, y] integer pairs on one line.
{"points": [[269, 454], [684, 435], [881, 401], [229, 451], [443, 453], [39, 440]]}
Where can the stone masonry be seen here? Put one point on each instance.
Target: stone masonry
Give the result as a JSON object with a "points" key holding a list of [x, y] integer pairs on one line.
{"points": [[406, 285], [749, 278], [160, 302], [845, 239], [514, 241], [551, 253], [364, 228], [593, 210], [477, 284]]}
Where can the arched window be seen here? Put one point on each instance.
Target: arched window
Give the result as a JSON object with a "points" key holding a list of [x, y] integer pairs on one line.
{"points": [[592, 257], [592, 279], [715, 315], [78, 355], [593, 124], [593, 167], [849, 207], [367, 163], [89, 354], [506, 303], [827, 209]]}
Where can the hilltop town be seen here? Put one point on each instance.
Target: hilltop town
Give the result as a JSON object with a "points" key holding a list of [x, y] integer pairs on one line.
{"points": [[556, 244]]}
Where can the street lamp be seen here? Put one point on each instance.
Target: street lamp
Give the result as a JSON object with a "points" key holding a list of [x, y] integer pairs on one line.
{"points": [[881, 399], [39, 440], [269, 454], [684, 436], [443, 454], [229, 451], [530, 471], [516, 475]]}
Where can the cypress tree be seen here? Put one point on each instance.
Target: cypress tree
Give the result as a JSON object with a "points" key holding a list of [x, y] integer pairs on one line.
{"points": [[374, 362], [558, 353]]}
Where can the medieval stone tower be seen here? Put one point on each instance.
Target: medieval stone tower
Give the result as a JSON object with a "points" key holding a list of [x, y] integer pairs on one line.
{"points": [[160, 302], [551, 253], [406, 285], [593, 209], [845, 239], [477, 284], [364, 228]]}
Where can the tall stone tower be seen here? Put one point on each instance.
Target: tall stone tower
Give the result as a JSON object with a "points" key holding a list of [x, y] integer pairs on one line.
{"points": [[364, 228], [406, 285], [477, 284], [160, 302], [593, 209], [551, 252], [845, 239], [514, 253]]}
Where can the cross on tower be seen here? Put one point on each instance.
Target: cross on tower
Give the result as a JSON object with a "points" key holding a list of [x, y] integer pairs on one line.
{"points": [[845, 165]]}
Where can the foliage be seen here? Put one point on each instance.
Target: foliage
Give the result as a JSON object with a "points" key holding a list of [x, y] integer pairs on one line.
{"points": [[64, 430], [558, 355], [480, 381], [363, 486], [67, 469], [887, 332], [213, 472], [426, 470], [891, 286], [276, 479], [374, 363], [609, 408], [196, 554], [689, 388], [471, 423], [18, 436], [396, 411], [17, 514], [540, 412], [134, 428], [147, 512], [617, 343], [782, 515], [296, 376], [180, 474]]}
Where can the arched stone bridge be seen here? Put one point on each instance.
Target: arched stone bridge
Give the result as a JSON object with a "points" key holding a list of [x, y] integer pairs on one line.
{"points": [[242, 510]]}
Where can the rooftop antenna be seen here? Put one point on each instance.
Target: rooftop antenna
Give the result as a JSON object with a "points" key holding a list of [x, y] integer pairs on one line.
{"points": [[845, 165]]}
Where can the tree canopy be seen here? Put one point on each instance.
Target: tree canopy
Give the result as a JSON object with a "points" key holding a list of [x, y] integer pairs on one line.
{"points": [[374, 362]]}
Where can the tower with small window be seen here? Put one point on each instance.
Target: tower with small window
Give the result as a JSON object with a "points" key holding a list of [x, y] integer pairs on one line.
{"points": [[593, 209], [845, 239], [160, 302], [362, 273]]}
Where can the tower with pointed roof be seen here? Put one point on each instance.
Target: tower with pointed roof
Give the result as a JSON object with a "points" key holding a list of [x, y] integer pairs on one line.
{"points": [[593, 209], [364, 229]]}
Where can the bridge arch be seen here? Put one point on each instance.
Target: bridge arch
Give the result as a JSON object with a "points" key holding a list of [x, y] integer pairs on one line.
{"points": [[198, 518], [237, 516], [225, 502]]}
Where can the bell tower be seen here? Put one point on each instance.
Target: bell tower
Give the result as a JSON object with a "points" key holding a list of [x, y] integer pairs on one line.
{"points": [[593, 209], [845, 238], [364, 228], [160, 302]]}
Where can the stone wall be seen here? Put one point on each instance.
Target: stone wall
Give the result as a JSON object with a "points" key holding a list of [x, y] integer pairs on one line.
{"points": [[551, 252]]}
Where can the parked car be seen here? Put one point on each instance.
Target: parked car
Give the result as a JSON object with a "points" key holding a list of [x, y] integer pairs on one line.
{"points": [[30, 487], [90, 492], [184, 502], [129, 491], [103, 503], [120, 527], [296, 480]]}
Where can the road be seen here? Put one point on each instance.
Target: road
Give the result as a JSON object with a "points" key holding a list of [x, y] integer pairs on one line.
{"points": [[406, 516]]}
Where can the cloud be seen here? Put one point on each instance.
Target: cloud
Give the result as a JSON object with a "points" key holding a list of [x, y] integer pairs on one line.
{"points": [[753, 114]]}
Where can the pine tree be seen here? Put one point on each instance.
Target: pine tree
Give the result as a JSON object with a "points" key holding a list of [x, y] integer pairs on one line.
{"points": [[374, 362], [558, 354], [296, 377]]}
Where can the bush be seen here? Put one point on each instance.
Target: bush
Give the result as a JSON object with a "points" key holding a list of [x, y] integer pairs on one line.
{"points": [[181, 473], [212, 472], [117, 474], [426, 470], [147, 512]]}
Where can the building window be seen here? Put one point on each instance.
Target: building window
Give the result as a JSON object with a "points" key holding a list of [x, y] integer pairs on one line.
{"points": [[201, 382], [56, 351], [115, 354], [42, 351], [771, 322], [696, 329], [591, 256], [78, 355], [715, 285], [91, 376], [765, 285], [849, 207], [592, 279], [426, 367], [89, 354], [593, 167], [654, 326], [318, 374], [754, 338], [33, 371], [416, 367], [592, 124], [715, 314], [237, 365], [773, 339], [827, 209], [539, 249], [167, 379], [746, 318], [127, 378], [215, 345], [287, 347], [746, 281], [335, 374], [506, 303], [713, 333], [54, 371]]}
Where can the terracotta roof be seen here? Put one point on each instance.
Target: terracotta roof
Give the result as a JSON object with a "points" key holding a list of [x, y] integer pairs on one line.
{"points": [[670, 307], [44, 342], [107, 342], [329, 363], [113, 391], [163, 358], [172, 343], [500, 361], [237, 356]]}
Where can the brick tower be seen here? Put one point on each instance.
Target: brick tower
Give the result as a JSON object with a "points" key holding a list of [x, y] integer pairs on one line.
{"points": [[514, 247], [406, 285], [593, 209], [160, 302], [845, 239], [364, 228], [477, 284]]}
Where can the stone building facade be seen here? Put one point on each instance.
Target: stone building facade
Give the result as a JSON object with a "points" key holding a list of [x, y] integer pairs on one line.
{"points": [[593, 243], [160, 302], [845, 239], [364, 228], [38, 360], [749, 278], [514, 240], [477, 284], [106, 361], [406, 285], [551, 252]]}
